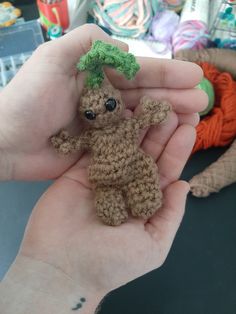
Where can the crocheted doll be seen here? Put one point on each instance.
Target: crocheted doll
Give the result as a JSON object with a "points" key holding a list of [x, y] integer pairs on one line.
{"points": [[123, 176]]}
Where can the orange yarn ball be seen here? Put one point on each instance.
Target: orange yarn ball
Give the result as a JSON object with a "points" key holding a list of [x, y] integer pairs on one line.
{"points": [[219, 127]]}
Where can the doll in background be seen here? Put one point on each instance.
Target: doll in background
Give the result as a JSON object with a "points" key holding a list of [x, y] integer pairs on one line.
{"points": [[222, 172]]}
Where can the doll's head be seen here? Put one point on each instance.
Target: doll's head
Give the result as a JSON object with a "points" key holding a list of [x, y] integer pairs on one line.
{"points": [[100, 104], [100, 107]]}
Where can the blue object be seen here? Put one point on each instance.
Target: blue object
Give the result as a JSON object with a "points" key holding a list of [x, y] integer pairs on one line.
{"points": [[20, 38], [17, 43]]}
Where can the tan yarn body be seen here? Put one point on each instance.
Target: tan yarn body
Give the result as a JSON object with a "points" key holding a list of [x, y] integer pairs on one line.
{"points": [[223, 59], [123, 176], [217, 176]]}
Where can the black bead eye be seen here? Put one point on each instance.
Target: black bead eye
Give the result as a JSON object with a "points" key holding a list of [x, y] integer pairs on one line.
{"points": [[90, 115], [110, 104]]}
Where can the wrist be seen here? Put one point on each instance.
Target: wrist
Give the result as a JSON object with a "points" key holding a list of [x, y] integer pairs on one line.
{"points": [[36, 287]]}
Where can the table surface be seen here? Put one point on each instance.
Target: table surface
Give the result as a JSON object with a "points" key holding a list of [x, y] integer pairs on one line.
{"points": [[199, 275]]}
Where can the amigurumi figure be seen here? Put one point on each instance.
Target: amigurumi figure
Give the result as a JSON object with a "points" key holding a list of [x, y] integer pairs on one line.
{"points": [[123, 176]]}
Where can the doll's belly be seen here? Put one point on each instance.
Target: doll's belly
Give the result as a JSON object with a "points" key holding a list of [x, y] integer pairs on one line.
{"points": [[112, 172]]}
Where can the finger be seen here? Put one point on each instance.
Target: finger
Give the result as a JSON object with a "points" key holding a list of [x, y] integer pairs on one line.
{"points": [[191, 119], [70, 47], [164, 224], [156, 138], [159, 73], [153, 141], [182, 100], [176, 154]]}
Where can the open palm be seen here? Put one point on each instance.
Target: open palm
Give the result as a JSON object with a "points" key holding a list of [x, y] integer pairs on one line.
{"points": [[43, 98], [65, 232]]}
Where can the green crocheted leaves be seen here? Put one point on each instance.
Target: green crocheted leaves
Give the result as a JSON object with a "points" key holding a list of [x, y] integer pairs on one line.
{"points": [[103, 54]]}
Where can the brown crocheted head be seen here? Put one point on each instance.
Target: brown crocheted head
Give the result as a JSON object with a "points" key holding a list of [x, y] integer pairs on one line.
{"points": [[101, 107]]}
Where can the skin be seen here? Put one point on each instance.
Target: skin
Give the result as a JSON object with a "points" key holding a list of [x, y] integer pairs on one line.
{"points": [[63, 231]]}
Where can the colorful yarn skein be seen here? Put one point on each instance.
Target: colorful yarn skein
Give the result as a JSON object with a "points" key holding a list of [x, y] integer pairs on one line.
{"points": [[163, 27], [128, 18], [190, 35], [192, 32]]}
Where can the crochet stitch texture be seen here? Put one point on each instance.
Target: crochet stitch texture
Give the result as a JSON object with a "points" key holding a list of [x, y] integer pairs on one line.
{"points": [[106, 54], [123, 177]]}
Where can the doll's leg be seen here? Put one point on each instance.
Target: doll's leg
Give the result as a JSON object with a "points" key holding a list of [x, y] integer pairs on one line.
{"points": [[143, 194], [110, 205]]}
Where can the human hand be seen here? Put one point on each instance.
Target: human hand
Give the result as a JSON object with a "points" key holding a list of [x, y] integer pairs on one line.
{"points": [[41, 99], [44, 95], [66, 243], [65, 233]]}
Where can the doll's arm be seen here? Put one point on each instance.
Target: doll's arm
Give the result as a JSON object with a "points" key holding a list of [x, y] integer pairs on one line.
{"points": [[223, 59], [65, 143], [218, 175], [153, 113]]}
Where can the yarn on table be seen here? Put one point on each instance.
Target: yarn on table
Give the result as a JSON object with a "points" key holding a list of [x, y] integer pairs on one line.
{"points": [[162, 28], [192, 32], [190, 35], [219, 127], [128, 18]]}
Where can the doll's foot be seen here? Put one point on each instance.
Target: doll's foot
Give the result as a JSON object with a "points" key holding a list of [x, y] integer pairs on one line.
{"points": [[110, 206], [144, 198], [147, 208], [143, 194]]}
